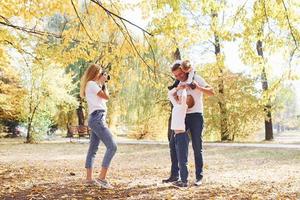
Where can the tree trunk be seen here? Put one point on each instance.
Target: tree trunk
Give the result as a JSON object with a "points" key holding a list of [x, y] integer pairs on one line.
{"points": [[267, 106], [80, 114], [222, 103], [28, 137]]}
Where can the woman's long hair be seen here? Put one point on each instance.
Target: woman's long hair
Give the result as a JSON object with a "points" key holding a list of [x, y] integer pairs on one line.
{"points": [[90, 73]]}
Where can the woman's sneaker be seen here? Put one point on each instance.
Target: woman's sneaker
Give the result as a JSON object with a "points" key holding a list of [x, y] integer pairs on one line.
{"points": [[104, 184], [91, 183]]}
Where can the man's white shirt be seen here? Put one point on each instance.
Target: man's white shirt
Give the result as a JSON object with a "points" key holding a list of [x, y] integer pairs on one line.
{"points": [[197, 95]]}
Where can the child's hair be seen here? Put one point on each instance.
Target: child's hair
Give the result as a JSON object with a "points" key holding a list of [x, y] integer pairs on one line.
{"points": [[185, 65], [90, 73]]}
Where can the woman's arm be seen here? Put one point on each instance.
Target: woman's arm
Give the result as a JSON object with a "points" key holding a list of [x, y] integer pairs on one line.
{"points": [[103, 93]]}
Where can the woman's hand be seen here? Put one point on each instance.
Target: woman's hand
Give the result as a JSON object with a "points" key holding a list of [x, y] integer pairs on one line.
{"points": [[103, 93], [103, 87]]}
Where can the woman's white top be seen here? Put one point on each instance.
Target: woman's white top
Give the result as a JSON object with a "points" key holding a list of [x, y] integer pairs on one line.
{"points": [[93, 100], [179, 110]]}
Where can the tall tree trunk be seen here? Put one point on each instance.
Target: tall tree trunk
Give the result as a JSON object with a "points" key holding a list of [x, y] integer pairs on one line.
{"points": [[176, 56], [80, 114], [267, 106], [222, 102], [29, 138]]}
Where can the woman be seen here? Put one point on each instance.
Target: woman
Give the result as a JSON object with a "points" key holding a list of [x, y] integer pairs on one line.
{"points": [[94, 89]]}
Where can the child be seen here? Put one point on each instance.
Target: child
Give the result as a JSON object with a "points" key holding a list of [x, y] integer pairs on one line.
{"points": [[178, 126], [186, 67]]}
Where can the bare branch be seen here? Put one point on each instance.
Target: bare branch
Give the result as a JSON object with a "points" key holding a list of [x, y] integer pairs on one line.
{"points": [[238, 12], [81, 21], [266, 16], [290, 25], [121, 18], [130, 40], [152, 51], [27, 30], [24, 51]]}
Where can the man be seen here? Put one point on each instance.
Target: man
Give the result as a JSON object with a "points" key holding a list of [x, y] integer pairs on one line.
{"points": [[193, 122]]}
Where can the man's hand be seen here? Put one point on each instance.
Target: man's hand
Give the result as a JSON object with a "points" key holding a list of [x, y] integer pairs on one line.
{"points": [[208, 90]]}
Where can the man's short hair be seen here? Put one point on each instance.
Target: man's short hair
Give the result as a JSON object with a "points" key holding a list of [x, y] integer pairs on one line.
{"points": [[175, 67]]}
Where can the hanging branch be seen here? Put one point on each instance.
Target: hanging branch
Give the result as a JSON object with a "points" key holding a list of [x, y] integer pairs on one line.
{"points": [[294, 39], [121, 18], [132, 43], [127, 34], [135, 48], [266, 16], [81, 21], [27, 30], [290, 25], [238, 13], [151, 49], [22, 50]]}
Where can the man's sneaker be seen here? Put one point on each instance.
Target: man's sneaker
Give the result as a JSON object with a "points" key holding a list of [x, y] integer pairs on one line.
{"points": [[198, 182], [170, 180], [180, 184], [104, 184]]}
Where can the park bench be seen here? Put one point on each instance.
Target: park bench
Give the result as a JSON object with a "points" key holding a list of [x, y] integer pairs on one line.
{"points": [[79, 131]]}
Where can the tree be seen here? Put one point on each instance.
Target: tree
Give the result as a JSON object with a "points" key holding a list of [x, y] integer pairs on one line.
{"points": [[243, 106], [73, 32], [270, 28], [11, 92]]}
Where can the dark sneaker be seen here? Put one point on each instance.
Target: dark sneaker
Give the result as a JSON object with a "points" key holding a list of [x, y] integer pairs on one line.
{"points": [[198, 182], [170, 180], [180, 184]]}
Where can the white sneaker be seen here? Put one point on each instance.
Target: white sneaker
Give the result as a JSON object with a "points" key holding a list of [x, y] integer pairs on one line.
{"points": [[92, 183], [198, 182], [104, 184]]}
